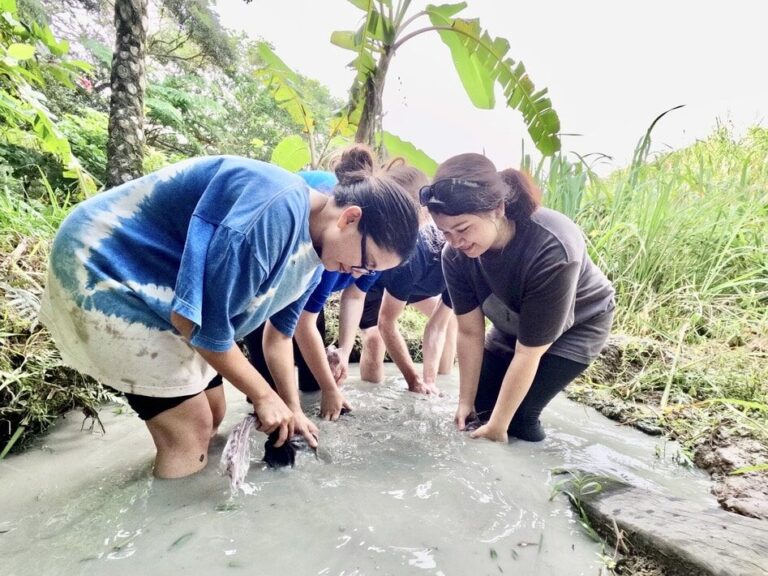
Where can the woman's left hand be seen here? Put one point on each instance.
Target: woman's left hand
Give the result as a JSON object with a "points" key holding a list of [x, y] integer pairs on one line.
{"points": [[304, 426], [491, 432]]}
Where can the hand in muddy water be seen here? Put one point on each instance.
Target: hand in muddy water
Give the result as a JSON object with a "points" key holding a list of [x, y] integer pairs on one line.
{"points": [[333, 404], [303, 426], [466, 417], [285, 455], [339, 368], [491, 432], [422, 387], [272, 415]]}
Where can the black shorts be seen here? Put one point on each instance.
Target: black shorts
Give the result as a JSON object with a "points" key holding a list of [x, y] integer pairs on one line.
{"points": [[147, 407], [373, 297]]}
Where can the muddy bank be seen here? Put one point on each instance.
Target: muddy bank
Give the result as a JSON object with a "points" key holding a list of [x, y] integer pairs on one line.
{"points": [[716, 436]]}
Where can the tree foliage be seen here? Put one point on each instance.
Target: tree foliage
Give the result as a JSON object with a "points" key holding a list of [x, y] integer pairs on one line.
{"points": [[29, 53], [480, 60]]}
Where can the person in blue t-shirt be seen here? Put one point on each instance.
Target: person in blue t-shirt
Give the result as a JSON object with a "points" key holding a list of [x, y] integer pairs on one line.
{"points": [[420, 283], [151, 283], [309, 347]]}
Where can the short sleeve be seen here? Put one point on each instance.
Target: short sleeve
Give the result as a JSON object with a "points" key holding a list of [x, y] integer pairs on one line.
{"points": [[286, 319], [400, 281], [548, 304], [230, 278], [320, 295], [366, 282], [188, 293], [446, 298], [459, 282]]}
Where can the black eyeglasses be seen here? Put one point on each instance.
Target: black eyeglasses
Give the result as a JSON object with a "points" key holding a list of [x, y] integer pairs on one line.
{"points": [[362, 269], [432, 192]]}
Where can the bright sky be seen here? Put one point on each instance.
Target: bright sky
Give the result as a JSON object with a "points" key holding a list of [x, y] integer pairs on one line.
{"points": [[610, 66]]}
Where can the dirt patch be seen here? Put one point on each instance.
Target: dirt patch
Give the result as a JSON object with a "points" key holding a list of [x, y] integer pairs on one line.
{"points": [[746, 493], [626, 384], [637, 566]]}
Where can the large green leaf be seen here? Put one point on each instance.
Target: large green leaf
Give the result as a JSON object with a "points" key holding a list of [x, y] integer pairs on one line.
{"points": [[21, 51], [344, 39], [490, 55], [362, 4], [292, 153], [283, 83], [475, 76], [414, 156]]}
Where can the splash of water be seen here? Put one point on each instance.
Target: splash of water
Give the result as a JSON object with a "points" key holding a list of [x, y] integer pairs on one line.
{"points": [[236, 457]]}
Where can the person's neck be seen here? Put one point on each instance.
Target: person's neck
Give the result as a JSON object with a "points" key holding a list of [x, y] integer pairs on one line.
{"points": [[320, 207], [506, 232]]}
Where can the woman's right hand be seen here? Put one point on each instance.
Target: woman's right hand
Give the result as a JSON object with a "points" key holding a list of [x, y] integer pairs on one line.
{"points": [[331, 405], [273, 413], [463, 412]]}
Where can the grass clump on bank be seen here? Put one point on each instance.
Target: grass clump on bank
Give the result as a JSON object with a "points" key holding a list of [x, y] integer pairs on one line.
{"points": [[684, 239], [35, 388]]}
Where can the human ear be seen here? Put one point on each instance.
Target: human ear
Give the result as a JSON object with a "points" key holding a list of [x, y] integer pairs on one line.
{"points": [[349, 215]]}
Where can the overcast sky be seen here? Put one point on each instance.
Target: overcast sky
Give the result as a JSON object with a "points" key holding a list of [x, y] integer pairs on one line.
{"points": [[610, 67]]}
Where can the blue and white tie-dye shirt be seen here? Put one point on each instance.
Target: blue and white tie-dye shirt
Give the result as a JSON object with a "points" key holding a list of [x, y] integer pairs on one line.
{"points": [[222, 241]]}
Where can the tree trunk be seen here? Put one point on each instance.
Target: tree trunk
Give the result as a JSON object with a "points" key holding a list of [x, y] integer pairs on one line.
{"points": [[125, 145], [370, 118]]}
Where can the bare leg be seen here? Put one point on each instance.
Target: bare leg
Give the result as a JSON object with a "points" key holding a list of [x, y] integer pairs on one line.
{"points": [[181, 436], [427, 307], [218, 406], [449, 349], [372, 356]]}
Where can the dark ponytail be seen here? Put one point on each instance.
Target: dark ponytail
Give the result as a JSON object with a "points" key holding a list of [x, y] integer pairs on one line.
{"points": [[523, 197], [390, 214], [486, 189]]}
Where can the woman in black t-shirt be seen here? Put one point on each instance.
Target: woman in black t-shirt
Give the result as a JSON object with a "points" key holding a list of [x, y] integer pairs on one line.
{"points": [[527, 270]]}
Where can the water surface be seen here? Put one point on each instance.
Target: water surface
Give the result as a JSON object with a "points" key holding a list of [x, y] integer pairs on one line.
{"points": [[397, 491]]}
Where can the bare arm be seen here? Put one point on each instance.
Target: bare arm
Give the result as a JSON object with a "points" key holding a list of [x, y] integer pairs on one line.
{"points": [[470, 346], [278, 352], [234, 366], [311, 344], [350, 311], [391, 309], [516, 384], [434, 339]]}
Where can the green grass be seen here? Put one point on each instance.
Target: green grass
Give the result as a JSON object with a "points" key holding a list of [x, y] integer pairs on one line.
{"points": [[684, 238], [35, 388]]}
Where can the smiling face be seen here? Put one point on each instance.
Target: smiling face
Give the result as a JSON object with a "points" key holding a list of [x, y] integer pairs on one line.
{"points": [[472, 234], [343, 247]]}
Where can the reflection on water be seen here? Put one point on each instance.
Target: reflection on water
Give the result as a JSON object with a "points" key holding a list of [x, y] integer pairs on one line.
{"points": [[395, 490]]}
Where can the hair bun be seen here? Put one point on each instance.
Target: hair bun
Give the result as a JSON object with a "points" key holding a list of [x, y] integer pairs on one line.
{"points": [[355, 165]]}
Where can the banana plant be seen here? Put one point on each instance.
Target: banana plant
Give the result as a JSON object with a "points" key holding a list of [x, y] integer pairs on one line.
{"points": [[481, 62], [309, 149], [296, 152]]}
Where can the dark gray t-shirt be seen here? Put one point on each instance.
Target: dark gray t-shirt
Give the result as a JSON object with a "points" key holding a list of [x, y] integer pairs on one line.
{"points": [[541, 288]]}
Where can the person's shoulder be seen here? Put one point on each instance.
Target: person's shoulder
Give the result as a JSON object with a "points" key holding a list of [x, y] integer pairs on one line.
{"points": [[320, 180], [455, 258], [554, 221], [559, 231]]}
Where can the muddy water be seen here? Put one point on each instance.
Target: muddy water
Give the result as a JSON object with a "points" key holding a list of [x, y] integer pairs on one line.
{"points": [[396, 491]]}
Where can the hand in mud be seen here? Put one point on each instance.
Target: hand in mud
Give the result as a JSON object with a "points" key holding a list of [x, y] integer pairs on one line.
{"points": [[332, 405], [305, 427], [421, 387], [338, 366], [464, 414], [491, 432], [341, 372], [273, 414]]}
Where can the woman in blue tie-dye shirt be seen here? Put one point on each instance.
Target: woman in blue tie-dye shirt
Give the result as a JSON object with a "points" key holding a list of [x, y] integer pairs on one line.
{"points": [[151, 283]]}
